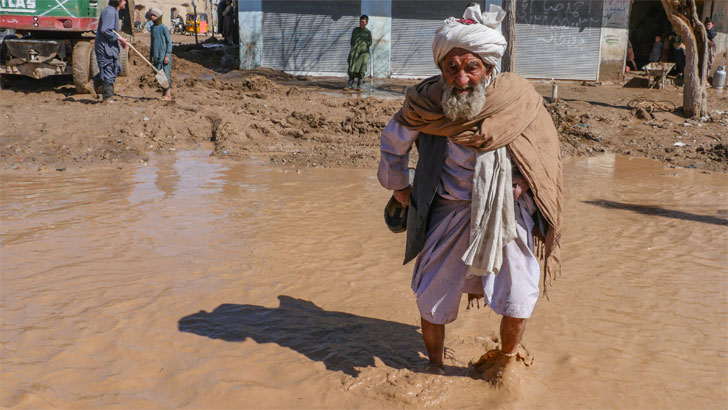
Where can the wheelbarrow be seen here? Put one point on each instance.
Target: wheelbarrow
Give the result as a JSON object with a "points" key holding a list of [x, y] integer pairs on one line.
{"points": [[656, 74]]}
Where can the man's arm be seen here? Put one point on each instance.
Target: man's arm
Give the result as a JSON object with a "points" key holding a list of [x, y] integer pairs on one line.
{"points": [[395, 144], [168, 40], [106, 28]]}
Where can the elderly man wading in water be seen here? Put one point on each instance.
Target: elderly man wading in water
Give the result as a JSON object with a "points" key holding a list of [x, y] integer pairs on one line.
{"points": [[486, 197]]}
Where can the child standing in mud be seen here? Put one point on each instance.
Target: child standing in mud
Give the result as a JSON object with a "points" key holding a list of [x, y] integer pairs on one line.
{"points": [[160, 49]]}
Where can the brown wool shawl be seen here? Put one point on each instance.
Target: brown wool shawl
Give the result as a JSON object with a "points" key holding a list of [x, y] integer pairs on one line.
{"points": [[513, 117]]}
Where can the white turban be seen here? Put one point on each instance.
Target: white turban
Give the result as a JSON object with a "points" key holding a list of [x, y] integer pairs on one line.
{"points": [[480, 38], [156, 12]]}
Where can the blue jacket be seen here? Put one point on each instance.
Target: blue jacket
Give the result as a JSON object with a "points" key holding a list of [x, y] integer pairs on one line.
{"points": [[107, 43]]}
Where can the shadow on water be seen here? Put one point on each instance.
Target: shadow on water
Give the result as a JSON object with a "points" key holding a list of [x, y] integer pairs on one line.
{"points": [[667, 213], [341, 341]]}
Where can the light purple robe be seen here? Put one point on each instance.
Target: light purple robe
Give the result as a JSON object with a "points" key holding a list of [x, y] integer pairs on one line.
{"points": [[440, 277]]}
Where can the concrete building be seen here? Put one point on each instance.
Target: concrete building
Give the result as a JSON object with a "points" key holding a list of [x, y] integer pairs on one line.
{"points": [[559, 39], [180, 6]]}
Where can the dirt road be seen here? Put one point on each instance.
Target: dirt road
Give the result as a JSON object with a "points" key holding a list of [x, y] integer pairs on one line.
{"points": [[306, 122]]}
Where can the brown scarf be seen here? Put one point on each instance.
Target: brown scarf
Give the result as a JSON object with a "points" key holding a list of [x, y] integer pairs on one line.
{"points": [[513, 116]]}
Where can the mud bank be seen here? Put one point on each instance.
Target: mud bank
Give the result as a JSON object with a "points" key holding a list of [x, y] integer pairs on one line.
{"points": [[302, 122]]}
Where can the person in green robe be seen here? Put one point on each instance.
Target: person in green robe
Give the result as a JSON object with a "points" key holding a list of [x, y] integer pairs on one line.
{"points": [[160, 49], [361, 40]]}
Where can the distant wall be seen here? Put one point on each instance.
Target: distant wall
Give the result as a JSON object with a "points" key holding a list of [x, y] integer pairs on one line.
{"points": [[380, 24], [720, 20], [615, 37], [250, 18]]}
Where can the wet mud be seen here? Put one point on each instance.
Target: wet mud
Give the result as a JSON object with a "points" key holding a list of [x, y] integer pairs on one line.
{"points": [[301, 122], [191, 281]]}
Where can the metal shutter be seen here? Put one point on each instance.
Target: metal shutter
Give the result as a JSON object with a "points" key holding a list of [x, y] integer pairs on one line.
{"points": [[558, 39], [308, 36], [413, 28]]}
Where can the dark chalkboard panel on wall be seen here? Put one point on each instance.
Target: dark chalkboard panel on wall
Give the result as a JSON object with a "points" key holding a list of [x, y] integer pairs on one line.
{"points": [[564, 13]]}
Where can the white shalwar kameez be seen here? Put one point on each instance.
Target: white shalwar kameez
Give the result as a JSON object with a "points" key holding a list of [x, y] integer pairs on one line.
{"points": [[440, 277]]}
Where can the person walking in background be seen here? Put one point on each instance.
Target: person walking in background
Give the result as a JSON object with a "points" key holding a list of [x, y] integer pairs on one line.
{"points": [[361, 41], [630, 56], [160, 49], [679, 53], [710, 31], [227, 25], [149, 23], [220, 18], [656, 52], [106, 49]]}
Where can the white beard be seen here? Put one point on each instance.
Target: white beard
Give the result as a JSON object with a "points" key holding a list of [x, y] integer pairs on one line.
{"points": [[464, 106]]}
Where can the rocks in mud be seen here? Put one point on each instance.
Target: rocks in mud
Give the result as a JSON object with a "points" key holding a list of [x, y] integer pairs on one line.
{"points": [[190, 82], [570, 126], [643, 114], [260, 83], [147, 80], [719, 152]]}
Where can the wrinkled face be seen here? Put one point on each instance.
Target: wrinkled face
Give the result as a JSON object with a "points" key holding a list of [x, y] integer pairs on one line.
{"points": [[466, 76], [363, 23]]}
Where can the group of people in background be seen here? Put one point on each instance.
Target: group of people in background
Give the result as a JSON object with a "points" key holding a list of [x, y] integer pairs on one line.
{"points": [[108, 45], [674, 50]]}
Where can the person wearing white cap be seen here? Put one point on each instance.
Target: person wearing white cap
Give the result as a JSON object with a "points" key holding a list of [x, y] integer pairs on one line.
{"points": [[485, 203], [160, 49]]}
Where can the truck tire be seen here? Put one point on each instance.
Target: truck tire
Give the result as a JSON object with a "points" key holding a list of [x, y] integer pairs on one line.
{"points": [[82, 68], [124, 62], [94, 64]]}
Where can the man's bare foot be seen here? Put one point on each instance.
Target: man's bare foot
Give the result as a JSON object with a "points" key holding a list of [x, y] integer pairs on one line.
{"points": [[493, 366], [432, 368]]}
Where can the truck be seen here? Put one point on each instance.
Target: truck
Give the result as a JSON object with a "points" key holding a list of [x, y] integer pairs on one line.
{"points": [[42, 38]]}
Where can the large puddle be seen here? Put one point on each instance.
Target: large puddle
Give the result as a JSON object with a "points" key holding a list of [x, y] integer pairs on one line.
{"points": [[195, 283]]}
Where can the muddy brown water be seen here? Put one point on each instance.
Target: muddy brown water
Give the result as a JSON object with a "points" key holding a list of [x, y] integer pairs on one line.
{"points": [[191, 282]]}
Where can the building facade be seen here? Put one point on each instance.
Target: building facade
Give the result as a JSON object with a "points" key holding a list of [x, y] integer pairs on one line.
{"points": [[181, 7], [556, 39]]}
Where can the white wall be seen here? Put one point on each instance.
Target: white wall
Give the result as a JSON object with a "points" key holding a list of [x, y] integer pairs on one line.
{"points": [[615, 36]]}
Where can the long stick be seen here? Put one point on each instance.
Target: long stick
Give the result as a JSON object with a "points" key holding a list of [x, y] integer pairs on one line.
{"points": [[140, 55]]}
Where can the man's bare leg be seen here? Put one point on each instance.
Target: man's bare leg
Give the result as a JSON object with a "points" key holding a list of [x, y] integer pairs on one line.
{"points": [[434, 336], [511, 332]]}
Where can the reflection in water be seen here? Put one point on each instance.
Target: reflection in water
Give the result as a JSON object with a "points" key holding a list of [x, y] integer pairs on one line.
{"points": [[102, 271]]}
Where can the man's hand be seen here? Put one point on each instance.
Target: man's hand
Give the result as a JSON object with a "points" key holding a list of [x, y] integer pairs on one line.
{"points": [[166, 59], [402, 196], [519, 187], [124, 42]]}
